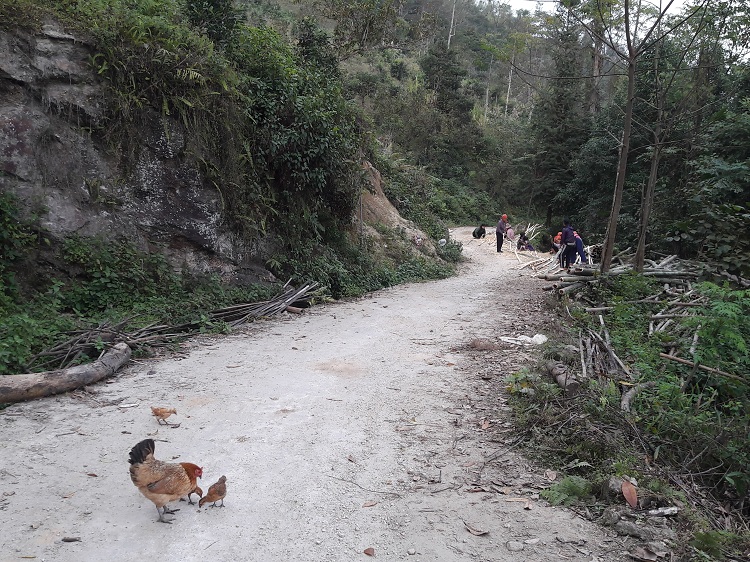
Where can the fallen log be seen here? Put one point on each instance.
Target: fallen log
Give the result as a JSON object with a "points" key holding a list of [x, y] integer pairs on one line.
{"points": [[564, 379], [570, 288], [18, 388], [584, 272]]}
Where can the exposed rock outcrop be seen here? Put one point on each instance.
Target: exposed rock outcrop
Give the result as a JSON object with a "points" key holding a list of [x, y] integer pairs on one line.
{"points": [[50, 98]]}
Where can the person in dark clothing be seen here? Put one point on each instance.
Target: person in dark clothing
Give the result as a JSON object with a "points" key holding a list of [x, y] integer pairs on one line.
{"points": [[523, 243], [568, 241], [502, 226], [479, 232]]}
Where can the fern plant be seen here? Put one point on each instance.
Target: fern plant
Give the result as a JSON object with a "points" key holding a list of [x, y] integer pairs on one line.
{"points": [[568, 491]]}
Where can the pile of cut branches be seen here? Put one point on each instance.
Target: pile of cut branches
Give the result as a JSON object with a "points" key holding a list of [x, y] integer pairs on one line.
{"points": [[676, 275], [93, 342], [659, 340], [549, 264]]}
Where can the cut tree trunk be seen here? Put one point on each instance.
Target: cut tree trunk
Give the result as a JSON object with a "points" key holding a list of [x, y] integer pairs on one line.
{"points": [[18, 388], [563, 378]]}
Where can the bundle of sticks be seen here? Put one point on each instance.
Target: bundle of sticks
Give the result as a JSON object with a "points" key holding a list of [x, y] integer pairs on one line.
{"points": [[93, 341]]}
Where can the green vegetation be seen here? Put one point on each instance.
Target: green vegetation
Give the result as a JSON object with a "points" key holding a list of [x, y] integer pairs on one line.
{"points": [[688, 421], [434, 204], [567, 491], [95, 282], [349, 271]]}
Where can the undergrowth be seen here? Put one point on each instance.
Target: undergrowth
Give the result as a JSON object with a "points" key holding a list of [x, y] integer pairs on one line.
{"points": [[435, 204], [101, 282], [691, 425], [349, 270]]}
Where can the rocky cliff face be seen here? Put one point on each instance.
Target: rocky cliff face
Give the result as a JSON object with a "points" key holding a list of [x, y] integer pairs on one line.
{"points": [[50, 98]]}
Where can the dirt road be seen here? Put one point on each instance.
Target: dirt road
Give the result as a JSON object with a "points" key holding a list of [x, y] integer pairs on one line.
{"points": [[366, 424]]}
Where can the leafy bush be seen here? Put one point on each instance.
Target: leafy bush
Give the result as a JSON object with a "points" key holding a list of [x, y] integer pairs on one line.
{"points": [[348, 270], [23, 334], [451, 252], [434, 204], [113, 275], [216, 18]]}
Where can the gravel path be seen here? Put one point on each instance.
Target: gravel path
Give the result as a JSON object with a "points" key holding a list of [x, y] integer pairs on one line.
{"points": [[365, 424]]}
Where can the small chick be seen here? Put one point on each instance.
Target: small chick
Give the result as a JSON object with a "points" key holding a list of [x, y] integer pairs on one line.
{"points": [[215, 493], [161, 414], [197, 490]]}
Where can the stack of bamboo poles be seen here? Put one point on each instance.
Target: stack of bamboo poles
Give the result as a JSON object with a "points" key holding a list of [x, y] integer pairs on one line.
{"points": [[551, 262], [680, 319], [90, 342], [531, 231], [676, 296], [677, 322], [677, 276]]}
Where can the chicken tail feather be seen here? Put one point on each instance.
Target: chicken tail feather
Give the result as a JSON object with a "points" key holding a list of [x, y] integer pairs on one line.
{"points": [[141, 451]]}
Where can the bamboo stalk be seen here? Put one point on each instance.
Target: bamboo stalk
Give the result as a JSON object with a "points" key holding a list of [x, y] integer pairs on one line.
{"points": [[667, 260], [584, 374], [703, 367], [611, 353], [694, 345], [665, 316]]}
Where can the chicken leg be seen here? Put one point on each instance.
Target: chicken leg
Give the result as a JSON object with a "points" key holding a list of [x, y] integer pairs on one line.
{"points": [[161, 516]]}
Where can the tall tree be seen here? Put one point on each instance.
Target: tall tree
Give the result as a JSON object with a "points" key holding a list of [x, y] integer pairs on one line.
{"points": [[668, 60], [641, 29], [561, 122]]}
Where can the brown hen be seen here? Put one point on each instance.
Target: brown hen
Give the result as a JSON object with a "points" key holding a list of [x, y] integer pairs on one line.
{"points": [[159, 481]]}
